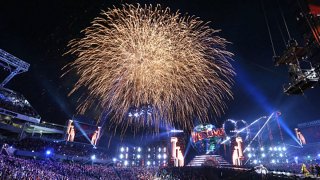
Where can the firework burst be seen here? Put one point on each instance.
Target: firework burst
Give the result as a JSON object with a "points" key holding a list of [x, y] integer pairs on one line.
{"points": [[143, 56]]}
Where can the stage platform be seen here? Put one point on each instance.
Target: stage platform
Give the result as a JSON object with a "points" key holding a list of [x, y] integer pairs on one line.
{"points": [[208, 160]]}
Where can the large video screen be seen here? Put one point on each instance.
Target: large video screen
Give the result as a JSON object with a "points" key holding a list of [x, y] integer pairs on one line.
{"points": [[82, 132], [311, 131]]}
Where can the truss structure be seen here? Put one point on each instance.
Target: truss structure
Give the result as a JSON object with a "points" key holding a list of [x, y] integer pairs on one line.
{"points": [[13, 64]]}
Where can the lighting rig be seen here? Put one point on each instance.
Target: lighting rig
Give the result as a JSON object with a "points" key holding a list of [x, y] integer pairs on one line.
{"points": [[307, 55], [267, 155], [12, 64], [145, 110], [300, 79], [149, 156]]}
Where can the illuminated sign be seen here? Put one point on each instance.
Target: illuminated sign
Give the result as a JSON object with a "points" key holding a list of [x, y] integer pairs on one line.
{"points": [[198, 136]]}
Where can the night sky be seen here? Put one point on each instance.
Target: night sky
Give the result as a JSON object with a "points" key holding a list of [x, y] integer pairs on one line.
{"points": [[38, 32]]}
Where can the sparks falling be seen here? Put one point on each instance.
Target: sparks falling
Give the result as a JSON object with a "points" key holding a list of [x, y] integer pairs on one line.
{"points": [[137, 56]]}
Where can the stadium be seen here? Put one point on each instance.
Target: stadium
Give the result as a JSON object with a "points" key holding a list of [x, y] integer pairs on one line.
{"points": [[160, 90]]}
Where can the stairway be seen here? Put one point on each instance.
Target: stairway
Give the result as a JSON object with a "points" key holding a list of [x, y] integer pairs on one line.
{"points": [[204, 159]]}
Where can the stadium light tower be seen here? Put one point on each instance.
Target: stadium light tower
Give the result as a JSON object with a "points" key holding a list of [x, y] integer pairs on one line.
{"points": [[13, 64]]}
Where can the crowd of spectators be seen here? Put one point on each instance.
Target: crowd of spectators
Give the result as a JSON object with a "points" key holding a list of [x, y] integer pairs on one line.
{"points": [[18, 168], [58, 147], [284, 167], [16, 102], [13, 167], [295, 168], [205, 173]]}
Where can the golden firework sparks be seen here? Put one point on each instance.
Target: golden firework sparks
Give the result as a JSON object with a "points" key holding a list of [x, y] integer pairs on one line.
{"points": [[144, 56]]}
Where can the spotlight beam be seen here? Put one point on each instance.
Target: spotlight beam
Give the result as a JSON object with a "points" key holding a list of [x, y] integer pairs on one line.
{"points": [[247, 161], [82, 131], [241, 130], [260, 130], [251, 124], [293, 146], [226, 140]]}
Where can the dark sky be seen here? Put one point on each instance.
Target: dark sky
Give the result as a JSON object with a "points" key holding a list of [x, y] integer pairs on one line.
{"points": [[38, 32]]}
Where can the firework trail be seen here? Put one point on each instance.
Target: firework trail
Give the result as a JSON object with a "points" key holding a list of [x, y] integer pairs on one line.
{"points": [[135, 57]]}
